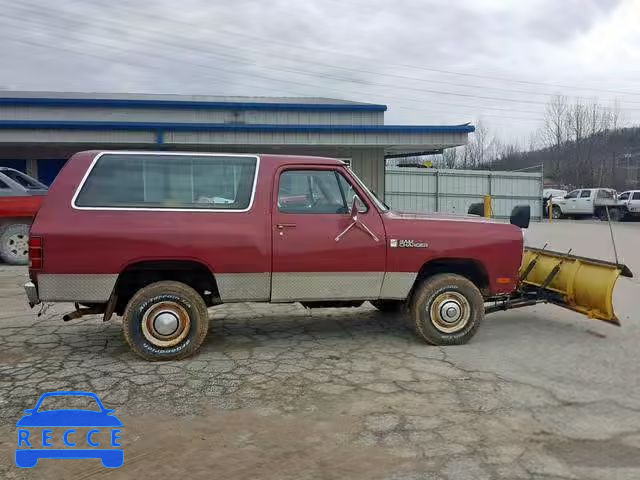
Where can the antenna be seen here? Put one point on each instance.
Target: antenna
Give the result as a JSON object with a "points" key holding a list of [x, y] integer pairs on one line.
{"points": [[613, 240]]}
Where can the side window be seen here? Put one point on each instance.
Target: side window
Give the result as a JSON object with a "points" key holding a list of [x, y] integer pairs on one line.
{"points": [[310, 191], [636, 196], [624, 196], [604, 193], [3, 185], [585, 194], [573, 194], [169, 181]]}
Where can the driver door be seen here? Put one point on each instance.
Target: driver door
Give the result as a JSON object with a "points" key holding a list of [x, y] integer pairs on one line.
{"points": [[315, 257]]}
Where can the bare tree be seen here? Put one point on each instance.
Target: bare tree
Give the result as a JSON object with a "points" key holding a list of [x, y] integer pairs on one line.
{"points": [[555, 129], [450, 157]]}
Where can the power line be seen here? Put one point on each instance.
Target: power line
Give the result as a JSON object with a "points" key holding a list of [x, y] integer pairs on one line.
{"points": [[324, 75], [173, 59]]}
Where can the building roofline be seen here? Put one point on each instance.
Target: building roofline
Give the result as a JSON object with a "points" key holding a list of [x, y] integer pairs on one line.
{"points": [[246, 127], [185, 104]]}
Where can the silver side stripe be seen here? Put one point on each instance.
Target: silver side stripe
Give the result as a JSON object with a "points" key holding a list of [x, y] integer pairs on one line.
{"points": [[244, 287], [326, 286], [397, 285], [89, 288], [247, 287]]}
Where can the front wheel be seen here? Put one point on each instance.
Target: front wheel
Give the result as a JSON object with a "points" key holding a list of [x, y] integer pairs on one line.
{"points": [[165, 321], [447, 309], [556, 212]]}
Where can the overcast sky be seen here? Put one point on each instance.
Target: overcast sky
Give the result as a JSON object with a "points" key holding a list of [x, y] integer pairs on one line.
{"points": [[430, 61]]}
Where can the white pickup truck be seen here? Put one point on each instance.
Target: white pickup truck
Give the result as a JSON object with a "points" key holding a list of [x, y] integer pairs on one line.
{"points": [[588, 202], [631, 203]]}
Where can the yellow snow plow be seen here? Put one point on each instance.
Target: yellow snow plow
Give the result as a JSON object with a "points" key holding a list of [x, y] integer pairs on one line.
{"points": [[584, 285]]}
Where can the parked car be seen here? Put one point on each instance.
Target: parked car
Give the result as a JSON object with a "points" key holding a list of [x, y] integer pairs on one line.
{"points": [[630, 201], [588, 202], [20, 198], [159, 237]]}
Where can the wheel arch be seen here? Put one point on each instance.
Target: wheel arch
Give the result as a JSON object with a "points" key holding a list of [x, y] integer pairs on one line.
{"points": [[470, 268], [141, 273]]}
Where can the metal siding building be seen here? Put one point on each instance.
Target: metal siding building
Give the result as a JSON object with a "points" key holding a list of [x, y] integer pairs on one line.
{"points": [[453, 191], [41, 129]]}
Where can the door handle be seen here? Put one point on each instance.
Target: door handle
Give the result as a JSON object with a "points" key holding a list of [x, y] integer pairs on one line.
{"points": [[282, 226], [588, 199]]}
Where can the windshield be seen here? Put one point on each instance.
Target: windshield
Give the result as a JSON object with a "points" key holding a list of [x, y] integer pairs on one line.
{"points": [[379, 203], [24, 180]]}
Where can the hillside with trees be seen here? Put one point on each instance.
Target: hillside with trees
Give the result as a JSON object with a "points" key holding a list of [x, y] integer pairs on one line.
{"points": [[578, 145]]}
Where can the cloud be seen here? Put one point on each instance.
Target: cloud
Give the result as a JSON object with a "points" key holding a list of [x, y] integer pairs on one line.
{"points": [[394, 53]]}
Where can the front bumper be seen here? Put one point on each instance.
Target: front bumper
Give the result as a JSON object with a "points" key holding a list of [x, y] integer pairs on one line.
{"points": [[32, 293]]}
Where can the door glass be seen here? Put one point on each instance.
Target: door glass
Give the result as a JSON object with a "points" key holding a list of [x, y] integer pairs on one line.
{"points": [[636, 196], [585, 194], [310, 191], [624, 196], [349, 193], [573, 194]]}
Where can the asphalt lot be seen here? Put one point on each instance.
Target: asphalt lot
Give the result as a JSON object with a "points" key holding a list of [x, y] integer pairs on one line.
{"points": [[281, 392]]}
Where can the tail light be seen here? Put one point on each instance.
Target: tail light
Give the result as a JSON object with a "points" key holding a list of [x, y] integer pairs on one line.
{"points": [[35, 252]]}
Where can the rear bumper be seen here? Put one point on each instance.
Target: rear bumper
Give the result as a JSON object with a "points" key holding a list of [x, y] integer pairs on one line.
{"points": [[32, 293]]}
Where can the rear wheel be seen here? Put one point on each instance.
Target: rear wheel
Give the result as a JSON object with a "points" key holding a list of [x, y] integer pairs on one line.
{"points": [[165, 321], [389, 306], [556, 212], [14, 244], [447, 309]]}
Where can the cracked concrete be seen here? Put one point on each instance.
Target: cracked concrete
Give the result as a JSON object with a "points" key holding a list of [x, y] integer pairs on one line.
{"points": [[279, 392]]}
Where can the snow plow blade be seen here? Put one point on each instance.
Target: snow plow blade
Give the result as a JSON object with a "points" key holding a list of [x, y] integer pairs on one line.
{"points": [[584, 285]]}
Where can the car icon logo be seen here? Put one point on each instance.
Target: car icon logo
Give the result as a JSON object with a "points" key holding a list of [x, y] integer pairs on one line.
{"points": [[39, 428]]}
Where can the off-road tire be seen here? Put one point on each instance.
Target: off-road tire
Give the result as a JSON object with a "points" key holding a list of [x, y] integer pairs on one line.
{"points": [[389, 306], [156, 293], [13, 243], [436, 288]]}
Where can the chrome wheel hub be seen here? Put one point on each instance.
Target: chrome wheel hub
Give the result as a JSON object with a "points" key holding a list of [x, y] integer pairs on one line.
{"points": [[450, 312], [166, 324], [18, 245]]}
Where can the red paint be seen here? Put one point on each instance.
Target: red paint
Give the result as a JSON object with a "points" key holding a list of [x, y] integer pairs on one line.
{"points": [[20, 207], [91, 241]]}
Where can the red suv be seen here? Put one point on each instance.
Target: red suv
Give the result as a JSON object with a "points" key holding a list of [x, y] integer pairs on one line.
{"points": [[159, 237]]}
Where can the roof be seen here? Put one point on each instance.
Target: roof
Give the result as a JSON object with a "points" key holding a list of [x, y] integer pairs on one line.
{"points": [[278, 158], [143, 100], [161, 127]]}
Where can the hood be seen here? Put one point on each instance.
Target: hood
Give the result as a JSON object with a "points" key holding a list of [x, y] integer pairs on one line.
{"points": [[399, 215]]}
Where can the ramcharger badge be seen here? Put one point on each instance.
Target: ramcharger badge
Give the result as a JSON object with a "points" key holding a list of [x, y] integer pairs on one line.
{"points": [[393, 243]]}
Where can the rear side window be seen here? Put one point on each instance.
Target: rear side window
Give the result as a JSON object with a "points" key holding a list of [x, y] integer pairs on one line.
{"points": [[636, 196], [169, 181]]}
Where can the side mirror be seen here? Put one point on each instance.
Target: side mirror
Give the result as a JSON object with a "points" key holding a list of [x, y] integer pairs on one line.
{"points": [[520, 216], [356, 207]]}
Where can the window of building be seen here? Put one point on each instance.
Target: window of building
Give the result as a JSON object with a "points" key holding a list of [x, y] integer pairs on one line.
{"points": [[169, 181]]}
